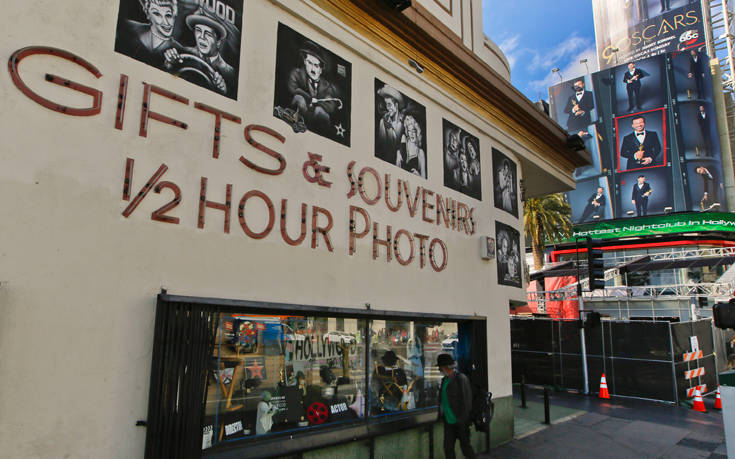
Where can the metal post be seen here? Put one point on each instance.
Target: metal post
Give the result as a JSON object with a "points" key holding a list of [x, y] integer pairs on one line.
{"points": [[673, 364], [584, 348], [523, 391], [547, 417], [580, 307]]}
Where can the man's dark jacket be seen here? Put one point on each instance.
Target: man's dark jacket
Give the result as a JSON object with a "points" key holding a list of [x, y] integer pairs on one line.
{"points": [[459, 394]]}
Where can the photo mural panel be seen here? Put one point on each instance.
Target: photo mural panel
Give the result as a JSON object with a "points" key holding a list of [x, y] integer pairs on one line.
{"points": [[508, 255], [461, 160], [197, 40], [572, 105], [590, 201], [400, 129], [641, 140], [313, 87], [639, 85], [505, 177], [645, 192]]}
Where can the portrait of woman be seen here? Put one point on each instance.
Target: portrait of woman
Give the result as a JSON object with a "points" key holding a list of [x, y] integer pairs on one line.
{"points": [[411, 156]]}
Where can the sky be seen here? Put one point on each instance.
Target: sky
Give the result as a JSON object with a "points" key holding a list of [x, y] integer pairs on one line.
{"points": [[538, 35]]}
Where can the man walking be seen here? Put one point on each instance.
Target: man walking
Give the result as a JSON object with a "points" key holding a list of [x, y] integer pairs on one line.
{"points": [[455, 403]]}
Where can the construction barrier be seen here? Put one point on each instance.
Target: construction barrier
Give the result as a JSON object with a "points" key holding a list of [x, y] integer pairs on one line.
{"points": [[640, 358]]}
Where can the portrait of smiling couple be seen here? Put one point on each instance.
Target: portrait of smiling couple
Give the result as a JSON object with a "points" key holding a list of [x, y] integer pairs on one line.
{"points": [[184, 38]]}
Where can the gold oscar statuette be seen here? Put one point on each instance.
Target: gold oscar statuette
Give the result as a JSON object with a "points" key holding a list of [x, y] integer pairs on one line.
{"points": [[689, 93]]}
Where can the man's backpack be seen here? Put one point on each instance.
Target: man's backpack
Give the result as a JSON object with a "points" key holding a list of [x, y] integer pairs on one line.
{"points": [[483, 409]]}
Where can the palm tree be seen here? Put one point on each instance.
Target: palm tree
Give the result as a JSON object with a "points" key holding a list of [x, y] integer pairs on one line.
{"points": [[547, 218]]}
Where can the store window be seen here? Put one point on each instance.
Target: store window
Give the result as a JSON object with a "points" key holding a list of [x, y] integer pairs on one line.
{"points": [[270, 374], [403, 371], [225, 375]]}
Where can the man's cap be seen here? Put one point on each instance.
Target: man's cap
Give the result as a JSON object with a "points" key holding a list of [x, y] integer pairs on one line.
{"points": [[387, 91], [194, 19], [444, 360]]}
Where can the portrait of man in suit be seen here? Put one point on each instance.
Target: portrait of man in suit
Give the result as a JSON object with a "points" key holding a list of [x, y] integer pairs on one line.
{"points": [[708, 182], [696, 71], [641, 148], [209, 36], [313, 88], [578, 107], [632, 79], [595, 205], [704, 123], [641, 192]]}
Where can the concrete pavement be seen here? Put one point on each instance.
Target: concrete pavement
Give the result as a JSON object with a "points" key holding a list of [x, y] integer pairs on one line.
{"points": [[617, 428]]}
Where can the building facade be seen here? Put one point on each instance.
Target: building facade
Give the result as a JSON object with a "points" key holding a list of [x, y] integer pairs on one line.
{"points": [[234, 222]]}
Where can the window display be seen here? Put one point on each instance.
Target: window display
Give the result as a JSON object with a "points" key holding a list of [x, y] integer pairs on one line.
{"points": [[402, 362], [279, 373], [271, 374]]}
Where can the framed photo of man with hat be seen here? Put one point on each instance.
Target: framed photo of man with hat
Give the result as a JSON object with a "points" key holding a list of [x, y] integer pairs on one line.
{"points": [[313, 89], [400, 129], [188, 39]]}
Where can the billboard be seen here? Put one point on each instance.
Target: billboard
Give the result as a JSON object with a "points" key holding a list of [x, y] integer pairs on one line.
{"points": [[652, 132], [631, 30]]}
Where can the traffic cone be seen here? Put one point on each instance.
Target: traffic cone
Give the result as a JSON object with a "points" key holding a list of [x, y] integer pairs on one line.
{"points": [[718, 400], [603, 387], [698, 402]]}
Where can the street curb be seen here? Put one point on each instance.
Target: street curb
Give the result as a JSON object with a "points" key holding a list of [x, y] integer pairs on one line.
{"points": [[544, 426]]}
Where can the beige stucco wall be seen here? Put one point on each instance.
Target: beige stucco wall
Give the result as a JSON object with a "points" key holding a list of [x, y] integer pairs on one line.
{"points": [[78, 280]]}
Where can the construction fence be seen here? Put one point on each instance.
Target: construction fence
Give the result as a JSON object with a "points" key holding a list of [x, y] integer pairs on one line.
{"points": [[656, 360]]}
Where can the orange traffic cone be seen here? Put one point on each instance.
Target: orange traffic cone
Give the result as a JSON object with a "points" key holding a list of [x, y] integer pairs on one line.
{"points": [[698, 402], [718, 400], [603, 387]]}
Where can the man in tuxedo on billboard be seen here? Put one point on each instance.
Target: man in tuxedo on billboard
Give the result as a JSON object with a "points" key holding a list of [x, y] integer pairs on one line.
{"points": [[632, 79], [578, 108], [641, 148], [641, 192], [696, 71], [708, 182], [595, 205]]}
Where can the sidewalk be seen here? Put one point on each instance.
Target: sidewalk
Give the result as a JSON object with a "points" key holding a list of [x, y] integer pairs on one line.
{"points": [[617, 428]]}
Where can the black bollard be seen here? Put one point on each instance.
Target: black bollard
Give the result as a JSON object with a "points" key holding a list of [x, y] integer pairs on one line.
{"points": [[523, 392], [547, 417]]}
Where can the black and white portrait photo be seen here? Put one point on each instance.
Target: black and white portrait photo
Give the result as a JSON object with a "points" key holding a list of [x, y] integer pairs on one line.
{"points": [[197, 40], [507, 243], [400, 129], [313, 88], [505, 177], [461, 160]]}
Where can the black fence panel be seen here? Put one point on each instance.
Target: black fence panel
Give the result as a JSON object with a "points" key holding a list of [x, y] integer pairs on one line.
{"points": [[640, 340], [702, 329], [643, 379], [570, 337], [532, 335], [537, 367]]}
